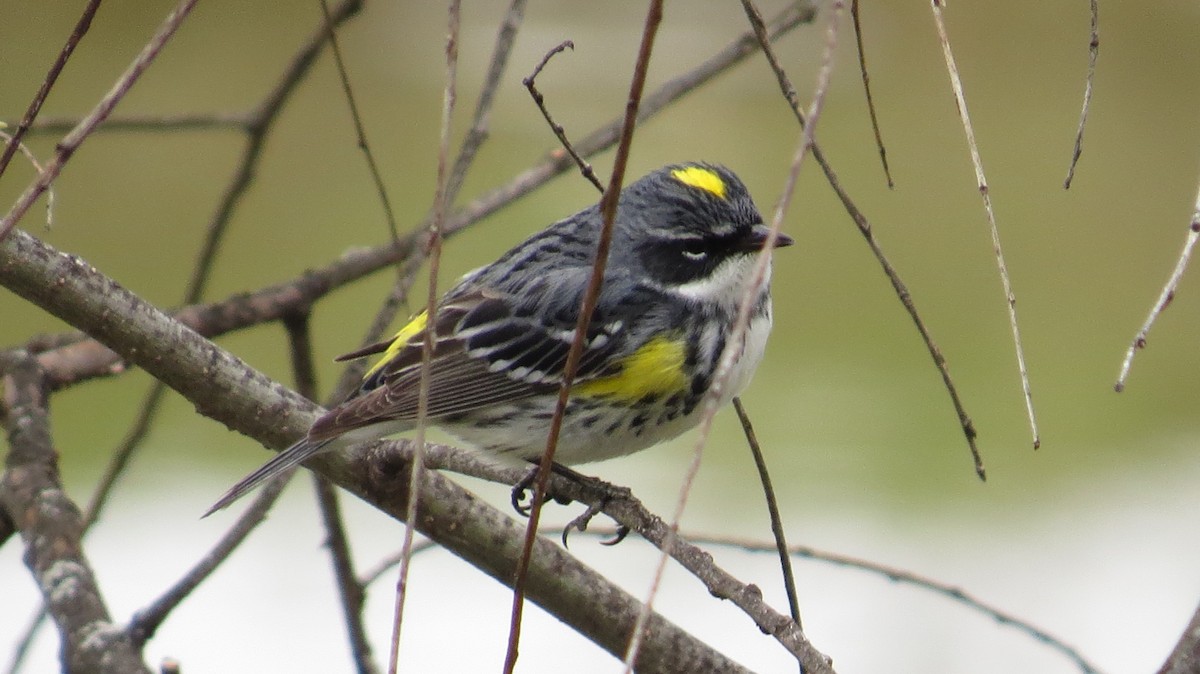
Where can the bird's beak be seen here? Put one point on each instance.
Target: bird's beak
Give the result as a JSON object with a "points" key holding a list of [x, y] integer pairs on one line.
{"points": [[758, 237]]}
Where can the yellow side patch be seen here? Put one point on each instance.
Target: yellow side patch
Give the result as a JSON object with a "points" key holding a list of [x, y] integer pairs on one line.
{"points": [[701, 178], [401, 340], [654, 369]]}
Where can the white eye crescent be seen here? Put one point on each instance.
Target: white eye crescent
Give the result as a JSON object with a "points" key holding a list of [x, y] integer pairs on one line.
{"points": [[694, 250]]}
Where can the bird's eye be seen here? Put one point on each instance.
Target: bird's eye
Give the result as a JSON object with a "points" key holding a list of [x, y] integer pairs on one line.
{"points": [[694, 250]]}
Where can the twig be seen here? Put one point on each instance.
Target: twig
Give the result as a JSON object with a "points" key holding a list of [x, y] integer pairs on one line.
{"points": [[1165, 297], [35, 106], [559, 131], [434, 246], [608, 213], [359, 130], [188, 121], [71, 142], [350, 591], [777, 531], [981, 181], [52, 529], [866, 81], [1093, 54], [864, 228], [505, 38], [949, 591], [258, 128], [13, 141], [737, 337]]}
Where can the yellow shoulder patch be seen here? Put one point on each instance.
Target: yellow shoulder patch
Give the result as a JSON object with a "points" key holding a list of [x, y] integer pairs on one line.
{"points": [[413, 328], [702, 178], [654, 369]]}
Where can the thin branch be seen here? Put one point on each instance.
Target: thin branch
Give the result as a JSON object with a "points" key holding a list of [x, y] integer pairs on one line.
{"points": [[1165, 297], [981, 181], [631, 513], [530, 83], [864, 228], [350, 591], [51, 526], [188, 121], [608, 213], [777, 531], [736, 340], [35, 106], [359, 130], [505, 39], [866, 82], [258, 128], [1093, 54], [434, 246], [71, 142], [13, 141]]}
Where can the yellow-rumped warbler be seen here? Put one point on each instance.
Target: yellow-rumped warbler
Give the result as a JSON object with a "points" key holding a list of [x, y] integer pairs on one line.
{"points": [[682, 254]]}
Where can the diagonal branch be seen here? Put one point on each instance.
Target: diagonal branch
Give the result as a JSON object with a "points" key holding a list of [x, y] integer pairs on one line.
{"points": [[864, 228], [35, 106], [71, 142]]}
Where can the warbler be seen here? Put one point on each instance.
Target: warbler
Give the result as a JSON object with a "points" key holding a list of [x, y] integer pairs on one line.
{"points": [[682, 255]]}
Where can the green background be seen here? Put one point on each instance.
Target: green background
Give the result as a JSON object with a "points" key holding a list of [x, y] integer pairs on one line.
{"points": [[1091, 537]]}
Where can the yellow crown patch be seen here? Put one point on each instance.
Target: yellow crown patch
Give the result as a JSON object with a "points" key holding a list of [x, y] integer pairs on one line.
{"points": [[702, 178]]}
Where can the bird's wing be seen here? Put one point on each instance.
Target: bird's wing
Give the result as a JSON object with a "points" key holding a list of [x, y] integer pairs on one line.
{"points": [[490, 347]]}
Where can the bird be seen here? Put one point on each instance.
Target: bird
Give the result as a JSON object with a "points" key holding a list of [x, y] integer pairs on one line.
{"points": [[682, 255]]}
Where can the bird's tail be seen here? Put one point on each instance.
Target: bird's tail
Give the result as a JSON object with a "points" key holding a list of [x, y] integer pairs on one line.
{"points": [[278, 464]]}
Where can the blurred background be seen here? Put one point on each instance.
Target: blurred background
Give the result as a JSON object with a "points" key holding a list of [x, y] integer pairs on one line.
{"points": [[1092, 537]]}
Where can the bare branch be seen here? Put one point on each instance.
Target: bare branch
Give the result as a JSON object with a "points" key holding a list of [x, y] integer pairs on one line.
{"points": [[866, 82], [777, 531], [1093, 54], [981, 180], [189, 121], [359, 130], [147, 621], [71, 142], [258, 128], [31, 494], [530, 83], [35, 106], [864, 228], [434, 248], [1165, 297]]}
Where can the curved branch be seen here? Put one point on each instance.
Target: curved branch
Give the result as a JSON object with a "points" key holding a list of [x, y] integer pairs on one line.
{"points": [[52, 527]]}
